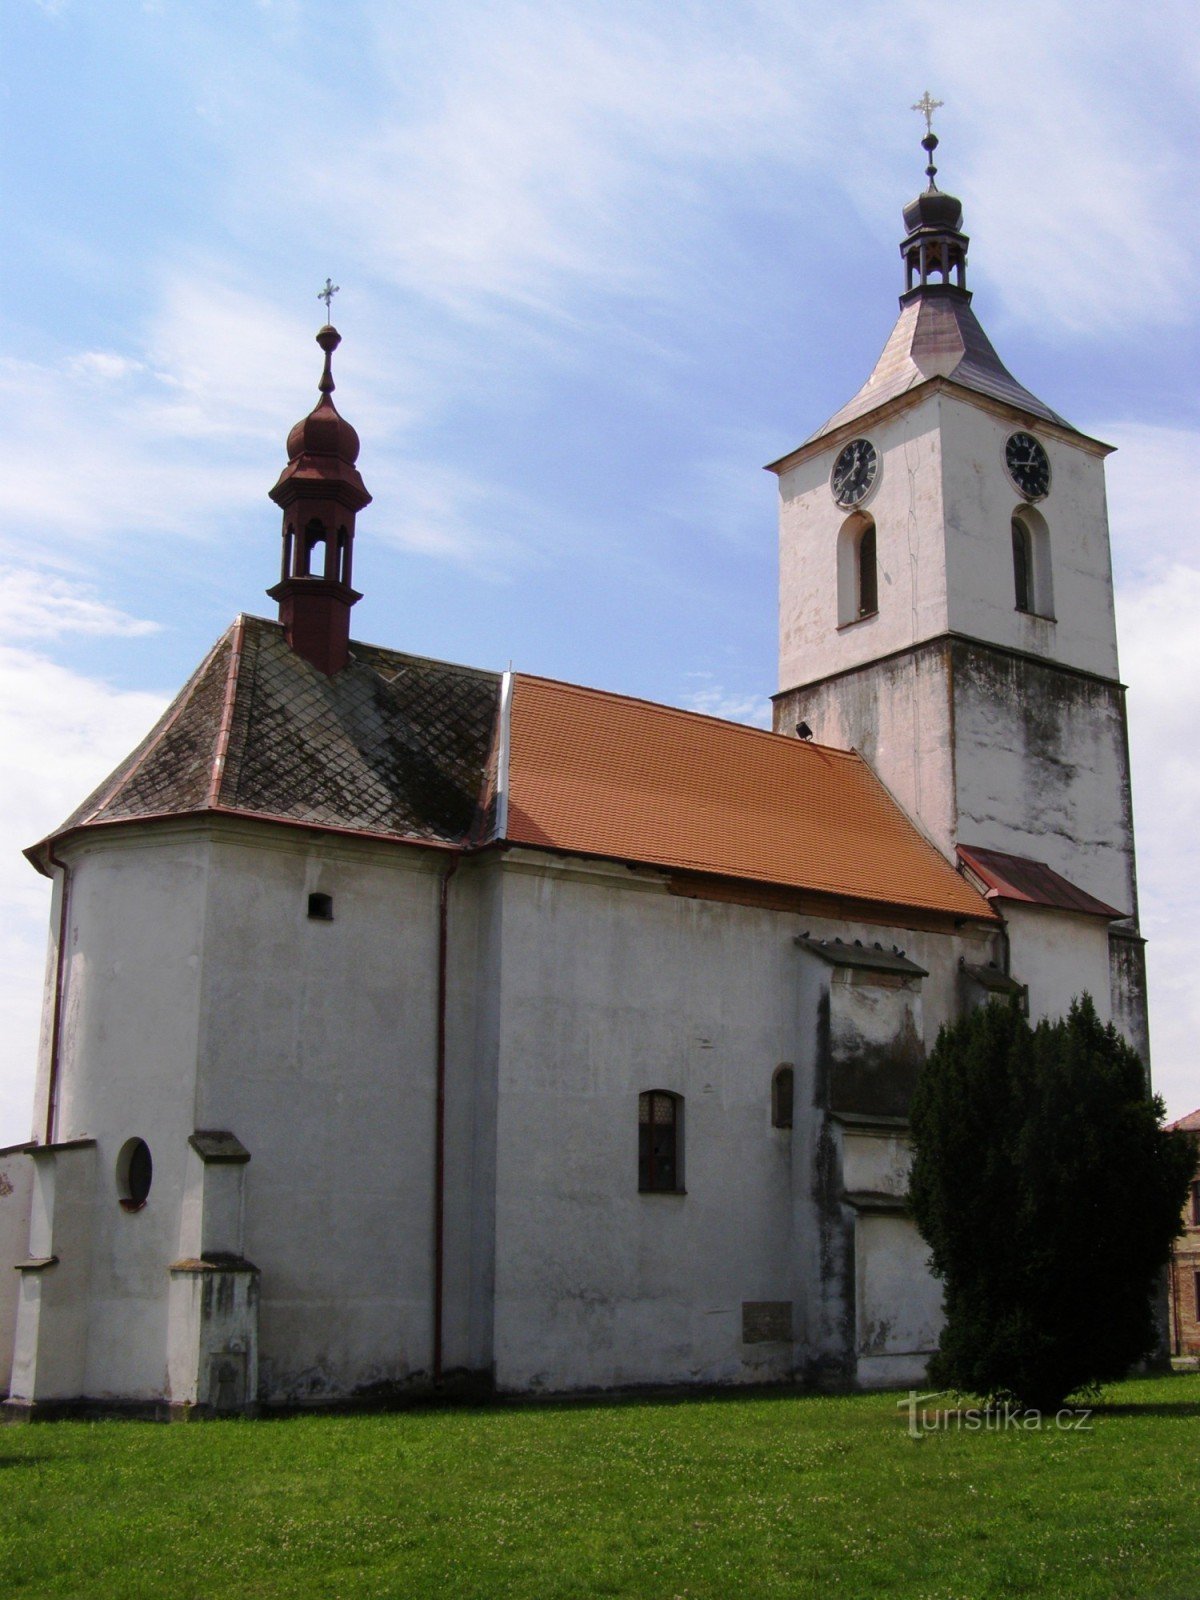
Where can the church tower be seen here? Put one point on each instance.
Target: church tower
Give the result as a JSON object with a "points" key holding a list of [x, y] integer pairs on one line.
{"points": [[946, 608]]}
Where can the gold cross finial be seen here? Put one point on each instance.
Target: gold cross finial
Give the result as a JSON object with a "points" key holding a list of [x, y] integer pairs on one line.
{"points": [[330, 289], [928, 105]]}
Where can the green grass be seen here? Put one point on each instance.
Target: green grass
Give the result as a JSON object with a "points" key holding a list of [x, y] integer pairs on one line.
{"points": [[721, 1499]]}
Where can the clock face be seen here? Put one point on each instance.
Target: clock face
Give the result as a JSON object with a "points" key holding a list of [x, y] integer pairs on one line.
{"points": [[1028, 465], [854, 472]]}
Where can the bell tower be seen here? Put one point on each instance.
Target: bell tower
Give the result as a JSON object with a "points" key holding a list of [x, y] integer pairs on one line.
{"points": [[320, 491], [946, 603]]}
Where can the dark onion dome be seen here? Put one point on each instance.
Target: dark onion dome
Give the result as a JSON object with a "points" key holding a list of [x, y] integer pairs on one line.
{"points": [[323, 448], [933, 209], [324, 432]]}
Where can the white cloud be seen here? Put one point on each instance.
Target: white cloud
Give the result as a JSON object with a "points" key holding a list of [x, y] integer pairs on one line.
{"points": [[715, 700], [61, 732], [1160, 659], [41, 605]]}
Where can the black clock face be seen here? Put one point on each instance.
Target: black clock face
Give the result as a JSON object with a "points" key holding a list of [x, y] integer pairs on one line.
{"points": [[854, 471], [1028, 465]]}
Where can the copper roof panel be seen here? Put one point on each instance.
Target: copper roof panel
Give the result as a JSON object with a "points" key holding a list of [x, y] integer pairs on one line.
{"points": [[1020, 878]]}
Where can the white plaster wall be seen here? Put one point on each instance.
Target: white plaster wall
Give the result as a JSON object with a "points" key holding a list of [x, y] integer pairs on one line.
{"points": [[1042, 771], [318, 1051], [876, 1164], [979, 501], [899, 1302], [906, 506], [127, 1070], [610, 987], [1060, 955], [898, 716], [16, 1198]]}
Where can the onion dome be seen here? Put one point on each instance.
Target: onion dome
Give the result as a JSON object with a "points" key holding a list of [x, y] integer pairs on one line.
{"points": [[934, 247], [323, 447]]}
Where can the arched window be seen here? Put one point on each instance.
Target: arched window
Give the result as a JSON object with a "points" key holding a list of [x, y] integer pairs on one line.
{"points": [[1022, 565], [1033, 577], [868, 586], [660, 1142], [783, 1085], [857, 570]]}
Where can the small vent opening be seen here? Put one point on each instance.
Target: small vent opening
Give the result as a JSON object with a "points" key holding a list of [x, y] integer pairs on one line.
{"points": [[320, 907]]}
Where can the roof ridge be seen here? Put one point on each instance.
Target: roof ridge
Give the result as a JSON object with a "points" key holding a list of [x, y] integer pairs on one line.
{"points": [[387, 650], [685, 712], [221, 749], [156, 736]]}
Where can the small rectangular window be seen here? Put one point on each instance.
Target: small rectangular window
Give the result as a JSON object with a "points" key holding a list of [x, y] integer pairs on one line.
{"points": [[660, 1143], [320, 907], [1196, 1205]]}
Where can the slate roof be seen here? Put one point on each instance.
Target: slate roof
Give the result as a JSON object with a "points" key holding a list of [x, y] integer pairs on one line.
{"points": [[603, 775], [399, 747], [937, 335], [1020, 878], [393, 745]]}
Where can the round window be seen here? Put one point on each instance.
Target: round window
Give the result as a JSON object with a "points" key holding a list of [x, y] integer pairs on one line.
{"points": [[134, 1172]]}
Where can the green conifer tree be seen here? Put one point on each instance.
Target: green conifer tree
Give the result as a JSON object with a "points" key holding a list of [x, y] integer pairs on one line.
{"points": [[1048, 1194]]}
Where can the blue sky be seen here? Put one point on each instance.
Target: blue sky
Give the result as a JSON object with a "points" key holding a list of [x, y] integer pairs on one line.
{"points": [[599, 262]]}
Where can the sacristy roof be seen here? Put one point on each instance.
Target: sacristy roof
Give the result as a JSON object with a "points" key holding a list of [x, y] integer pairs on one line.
{"points": [[401, 747]]}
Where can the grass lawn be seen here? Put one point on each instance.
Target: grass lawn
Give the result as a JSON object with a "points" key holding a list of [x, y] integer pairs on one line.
{"points": [[727, 1498]]}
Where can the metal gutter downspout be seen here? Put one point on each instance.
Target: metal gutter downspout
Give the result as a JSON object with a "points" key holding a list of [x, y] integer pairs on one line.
{"points": [[60, 965], [439, 1136]]}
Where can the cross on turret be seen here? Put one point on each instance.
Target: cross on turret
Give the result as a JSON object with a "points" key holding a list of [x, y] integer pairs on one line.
{"points": [[331, 288], [928, 105]]}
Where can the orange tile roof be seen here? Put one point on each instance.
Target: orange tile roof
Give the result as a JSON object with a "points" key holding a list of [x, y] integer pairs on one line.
{"points": [[598, 774]]}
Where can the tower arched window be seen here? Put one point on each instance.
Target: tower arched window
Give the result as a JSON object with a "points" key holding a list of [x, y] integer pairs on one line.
{"points": [[660, 1142], [1022, 565], [1033, 578], [858, 573]]}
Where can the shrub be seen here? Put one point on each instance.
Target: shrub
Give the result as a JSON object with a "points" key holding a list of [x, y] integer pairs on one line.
{"points": [[1048, 1195]]}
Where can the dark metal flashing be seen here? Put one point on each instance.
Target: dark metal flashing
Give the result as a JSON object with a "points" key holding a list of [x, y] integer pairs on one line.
{"points": [[866, 1122], [875, 1202], [215, 1146], [214, 1261], [18, 1149], [951, 637], [870, 958], [990, 977], [35, 1264], [36, 1150]]}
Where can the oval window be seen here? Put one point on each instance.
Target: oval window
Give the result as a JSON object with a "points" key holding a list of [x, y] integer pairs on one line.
{"points": [[134, 1172]]}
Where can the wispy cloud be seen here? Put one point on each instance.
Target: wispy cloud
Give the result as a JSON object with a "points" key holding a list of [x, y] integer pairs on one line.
{"points": [[61, 732]]}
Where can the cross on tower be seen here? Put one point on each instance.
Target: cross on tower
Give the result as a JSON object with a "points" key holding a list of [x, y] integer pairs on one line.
{"points": [[331, 288], [928, 105]]}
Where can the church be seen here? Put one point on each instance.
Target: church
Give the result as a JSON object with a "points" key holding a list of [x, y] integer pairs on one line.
{"points": [[412, 1027]]}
